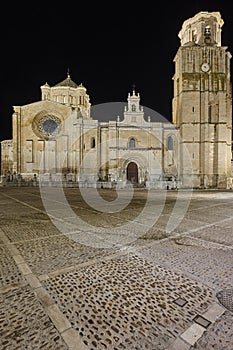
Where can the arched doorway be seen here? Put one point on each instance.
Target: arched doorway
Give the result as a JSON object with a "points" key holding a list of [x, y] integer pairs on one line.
{"points": [[132, 172]]}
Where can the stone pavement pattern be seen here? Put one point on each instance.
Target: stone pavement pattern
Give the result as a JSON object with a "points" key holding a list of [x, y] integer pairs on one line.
{"points": [[170, 291]]}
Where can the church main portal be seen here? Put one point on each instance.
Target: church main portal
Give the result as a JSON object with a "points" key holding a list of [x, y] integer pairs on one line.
{"points": [[132, 172]]}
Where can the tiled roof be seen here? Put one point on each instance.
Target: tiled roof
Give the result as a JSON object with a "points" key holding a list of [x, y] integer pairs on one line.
{"points": [[67, 82]]}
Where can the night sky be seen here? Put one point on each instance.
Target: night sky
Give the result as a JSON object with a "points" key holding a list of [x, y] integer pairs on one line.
{"points": [[107, 46]]}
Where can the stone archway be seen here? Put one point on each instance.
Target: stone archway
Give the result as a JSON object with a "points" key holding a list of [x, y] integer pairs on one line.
{"points": [[132, 172]]}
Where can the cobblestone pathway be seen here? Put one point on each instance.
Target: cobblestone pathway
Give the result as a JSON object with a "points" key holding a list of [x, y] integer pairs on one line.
{"points": [[162, 291], [128, 303], [193, 258], [25, 324]]}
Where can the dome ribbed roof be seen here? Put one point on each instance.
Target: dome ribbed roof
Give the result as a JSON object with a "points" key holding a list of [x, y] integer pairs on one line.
{"points": [[67, 82]]}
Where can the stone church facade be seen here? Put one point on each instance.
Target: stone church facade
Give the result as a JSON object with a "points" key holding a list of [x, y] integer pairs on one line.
{"points": [[57, 139]]}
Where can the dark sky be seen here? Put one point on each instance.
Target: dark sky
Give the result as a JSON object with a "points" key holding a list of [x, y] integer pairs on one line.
{"points": [[107, 46]]}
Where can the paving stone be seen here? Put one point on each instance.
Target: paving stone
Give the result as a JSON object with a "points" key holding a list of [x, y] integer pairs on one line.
{"points": [[194, 258], [29, 231], [33, 281], [9, 272], [82, 296], [44, 297], [24, 323], [25, 269], [55, 253], [219, 334], [216, 234], [193, 333], [214, 312], [73, 340], [18, 259], [179, 344], [126, 301], [59, 320]]}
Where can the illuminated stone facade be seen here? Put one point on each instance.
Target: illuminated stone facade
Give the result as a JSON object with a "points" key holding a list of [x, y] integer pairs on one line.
{"points": [[58, 138], [202, 103]]}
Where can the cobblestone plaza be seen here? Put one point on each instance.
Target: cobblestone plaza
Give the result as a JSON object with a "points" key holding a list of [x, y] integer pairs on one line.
{"points": [[112, 282]]}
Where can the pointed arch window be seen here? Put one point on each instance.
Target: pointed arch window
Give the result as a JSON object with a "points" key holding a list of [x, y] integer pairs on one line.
{"points": [[170, 143], [132, 142]]}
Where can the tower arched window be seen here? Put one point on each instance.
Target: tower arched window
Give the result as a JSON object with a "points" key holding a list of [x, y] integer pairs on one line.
{"points": [[207, 32], [194, 35], [132, 143], [133, 108], [170, 143], [92, 142]]}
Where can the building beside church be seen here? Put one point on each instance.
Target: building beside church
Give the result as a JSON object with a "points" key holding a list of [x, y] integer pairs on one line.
{"points": [[58, 139]]}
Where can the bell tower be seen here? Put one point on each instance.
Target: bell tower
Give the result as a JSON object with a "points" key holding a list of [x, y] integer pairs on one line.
{"points": [[202, 102]]}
